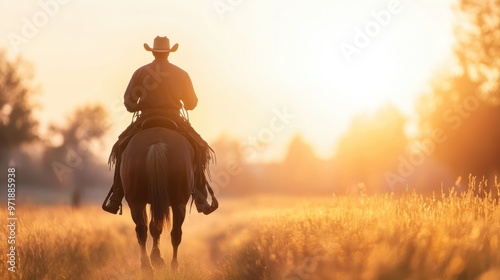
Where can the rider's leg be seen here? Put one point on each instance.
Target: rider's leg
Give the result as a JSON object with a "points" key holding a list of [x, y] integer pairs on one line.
{"points": [[115, 201], [200, 196]]}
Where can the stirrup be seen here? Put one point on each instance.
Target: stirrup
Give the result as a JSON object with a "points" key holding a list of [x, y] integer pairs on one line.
{"points": [[215, 203], [105, 204], [213, 207], [108, 209]]}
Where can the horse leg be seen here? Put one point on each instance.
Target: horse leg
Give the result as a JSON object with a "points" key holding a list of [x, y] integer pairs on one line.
{"points": [[140, 218], [178, 214], [156, 230]]}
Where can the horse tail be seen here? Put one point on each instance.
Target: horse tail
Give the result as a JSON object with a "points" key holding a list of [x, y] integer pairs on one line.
{"points": [[157, 166]]}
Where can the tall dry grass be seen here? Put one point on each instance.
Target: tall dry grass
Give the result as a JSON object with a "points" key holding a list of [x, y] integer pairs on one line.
{"points": [[64, 243], [450, 236]]}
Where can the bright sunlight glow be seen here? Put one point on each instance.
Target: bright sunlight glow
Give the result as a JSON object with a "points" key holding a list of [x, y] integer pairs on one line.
{"points": [[255, 58]]}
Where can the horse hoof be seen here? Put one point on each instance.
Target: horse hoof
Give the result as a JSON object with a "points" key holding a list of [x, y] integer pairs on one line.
{"points": [[147, 268], [146, 274], [146, 265], [158, 262], [174, 265]]}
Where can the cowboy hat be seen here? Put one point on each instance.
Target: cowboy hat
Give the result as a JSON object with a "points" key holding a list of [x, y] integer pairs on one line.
{"points": [[161, 44]]}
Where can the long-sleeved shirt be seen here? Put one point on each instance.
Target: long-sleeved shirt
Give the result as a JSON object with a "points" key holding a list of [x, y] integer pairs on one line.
{"points": [[160, 85]]}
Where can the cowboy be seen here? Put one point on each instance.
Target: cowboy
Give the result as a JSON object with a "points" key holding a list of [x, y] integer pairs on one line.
{"points": [[162, 90]]}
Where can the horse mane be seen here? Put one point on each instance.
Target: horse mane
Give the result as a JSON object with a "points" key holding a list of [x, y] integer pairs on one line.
{"points": [[157, 166]]}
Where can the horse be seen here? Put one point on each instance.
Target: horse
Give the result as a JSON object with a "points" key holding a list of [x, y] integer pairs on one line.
{"points": [[157, 169]]}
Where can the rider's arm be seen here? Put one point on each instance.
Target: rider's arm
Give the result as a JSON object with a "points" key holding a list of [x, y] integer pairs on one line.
{"points": [[189, 97], [132, 94]]}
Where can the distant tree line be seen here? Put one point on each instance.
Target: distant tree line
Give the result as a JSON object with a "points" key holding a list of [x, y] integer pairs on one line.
{"points": [[65, 155]]}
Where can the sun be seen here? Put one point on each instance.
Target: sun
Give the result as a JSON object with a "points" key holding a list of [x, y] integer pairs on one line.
{"points": [[366, 82]]}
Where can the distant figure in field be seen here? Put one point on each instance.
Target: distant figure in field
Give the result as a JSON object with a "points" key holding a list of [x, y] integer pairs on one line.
{"points": [[157, 94]]}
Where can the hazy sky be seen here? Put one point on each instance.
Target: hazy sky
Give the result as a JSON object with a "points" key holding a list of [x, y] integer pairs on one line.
{"points": [[262, 69]]}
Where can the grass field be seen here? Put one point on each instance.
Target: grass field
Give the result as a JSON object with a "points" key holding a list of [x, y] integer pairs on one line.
{"points": [[450, 236]]}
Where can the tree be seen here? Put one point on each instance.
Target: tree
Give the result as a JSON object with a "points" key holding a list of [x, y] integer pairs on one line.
{"points": [[73, 160], [299, 152], [478, 47], [17, 123], [371, 147], [464, 104], [229, 174], [302, 172], [87, 123]]}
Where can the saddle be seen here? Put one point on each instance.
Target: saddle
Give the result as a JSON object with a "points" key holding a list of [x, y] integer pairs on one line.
{"points": [[157, 121], [164, 122]]}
